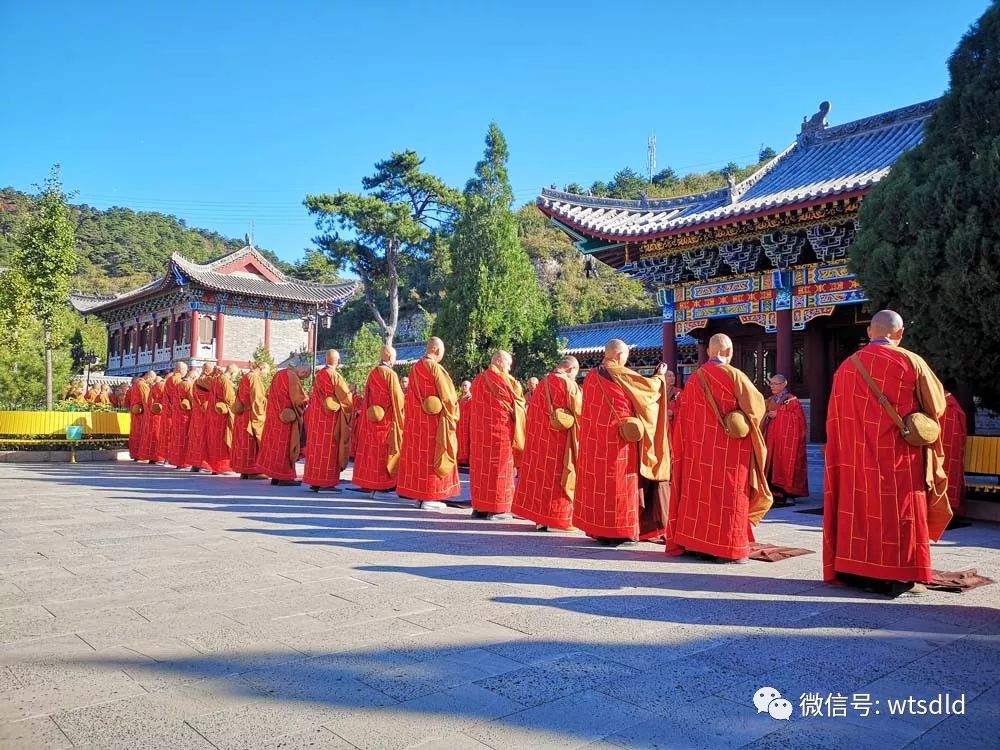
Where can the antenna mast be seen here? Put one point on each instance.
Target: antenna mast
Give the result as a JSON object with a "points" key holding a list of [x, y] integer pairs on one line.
{"points": [[651, 157]]}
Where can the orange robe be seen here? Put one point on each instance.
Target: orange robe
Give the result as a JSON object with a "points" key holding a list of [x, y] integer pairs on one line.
{"points": [[884, 500], [180, 410], [954, 431], [135, 399], [719, 490], [92, 395], [786, 435], [464, 429], [379, 442], [619, 490], [281, 442], [250, 408], [219, 424], [547, 480], [328, 430], [428, 463], [195, 455], [497, 434], [357, 414], [151, 448]]}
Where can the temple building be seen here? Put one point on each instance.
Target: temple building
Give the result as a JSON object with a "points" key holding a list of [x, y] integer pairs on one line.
{"points": [[763, 260], [222, 311]]}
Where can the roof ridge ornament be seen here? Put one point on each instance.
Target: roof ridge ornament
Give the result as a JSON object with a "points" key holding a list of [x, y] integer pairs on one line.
{"points": [[815, 124]]}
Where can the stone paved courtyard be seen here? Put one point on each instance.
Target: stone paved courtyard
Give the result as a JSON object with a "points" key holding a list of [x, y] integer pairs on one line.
{"points": [[144, 608]]}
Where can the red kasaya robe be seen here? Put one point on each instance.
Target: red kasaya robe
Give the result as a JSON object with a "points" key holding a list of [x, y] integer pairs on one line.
{"points": [[183, 401], [328, 430], [167, 417], [150, 449], [673, 402], [786, 435], [496, 435], [281, 442], [719, 490], [195, 455], [618, 483], [884, 499], [219, 423], [954, 431], [250, 408], [379, 442], [357, 414], [135, 399], [428, 463], [464, 429], [547, 480]]}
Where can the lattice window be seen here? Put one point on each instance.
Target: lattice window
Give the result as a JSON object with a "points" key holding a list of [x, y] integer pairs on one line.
{"points": [[206, 330], [182, 330]]}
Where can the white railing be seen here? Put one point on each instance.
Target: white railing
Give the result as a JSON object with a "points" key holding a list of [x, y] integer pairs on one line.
{"points": [[114, 362], [162, 354], [205, 351], [145, 358]]}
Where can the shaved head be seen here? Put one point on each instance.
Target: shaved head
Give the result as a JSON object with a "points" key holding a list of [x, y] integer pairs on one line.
{"points": [[720, 347], [616, 350], [502, 360], [332, 357], [886, 324], [181, 368], [150, 376], [466, 386], [569, 365], [435, 348], [781, 379], [232, 370], [388, 354]]}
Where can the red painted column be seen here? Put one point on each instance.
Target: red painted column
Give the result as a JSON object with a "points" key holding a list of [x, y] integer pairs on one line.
{"points": [[220, 321], [194, 334], [670, 344], [785, 365]]}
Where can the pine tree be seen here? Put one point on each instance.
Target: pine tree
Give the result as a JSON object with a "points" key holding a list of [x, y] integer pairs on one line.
{"points": [[929, 245], [492, 296], [362, 354]]}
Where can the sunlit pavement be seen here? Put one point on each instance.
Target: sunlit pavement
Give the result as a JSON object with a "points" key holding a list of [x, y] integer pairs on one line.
{"points": [[141, 607]]}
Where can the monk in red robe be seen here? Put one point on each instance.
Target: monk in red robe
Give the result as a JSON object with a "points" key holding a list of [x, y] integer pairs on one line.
{"points": [[168, 421], [464, 421], [196, 442], [249, 408], [328, 427], [884, 499], [428, 464], [785, 435], [623, 469], [547, 480], [357, 413], [135, 400], [954, 431], [496, 437], [219, 420], [183, 401], [92, 393], [720, 490], [281, 441], [152, 450], [380, 434], [530, 388], [404, 384]]}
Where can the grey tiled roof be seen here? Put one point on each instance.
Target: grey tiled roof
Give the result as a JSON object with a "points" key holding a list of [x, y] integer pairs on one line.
{"points": [[832, 161], [638, 333], [180, 271]]}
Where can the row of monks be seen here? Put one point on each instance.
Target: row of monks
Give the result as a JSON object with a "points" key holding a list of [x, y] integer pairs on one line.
{"points": [[622, 458], [97, 395]]}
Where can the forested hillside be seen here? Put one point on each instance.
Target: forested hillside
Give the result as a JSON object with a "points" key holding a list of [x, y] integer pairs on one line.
{"points": [[120, 248]]}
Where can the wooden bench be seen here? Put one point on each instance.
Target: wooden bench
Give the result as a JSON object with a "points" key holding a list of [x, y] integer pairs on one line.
{"points": [[982, 459]]}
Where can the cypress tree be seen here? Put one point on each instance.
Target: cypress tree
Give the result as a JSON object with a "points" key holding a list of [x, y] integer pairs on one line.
{"points": [[492, 300], [929, 244]]}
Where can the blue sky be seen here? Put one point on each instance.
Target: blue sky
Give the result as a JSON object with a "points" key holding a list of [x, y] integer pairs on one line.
{"points": [[227, 113]]}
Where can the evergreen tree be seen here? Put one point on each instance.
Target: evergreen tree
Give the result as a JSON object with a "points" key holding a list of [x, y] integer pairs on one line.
{"points": [[766, 153], [492, 297], [263, 356], [362, 354], [929, 244], [36, 286]]}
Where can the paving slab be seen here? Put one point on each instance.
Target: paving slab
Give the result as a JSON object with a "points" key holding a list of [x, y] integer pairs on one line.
{"points": [[145, 607]]}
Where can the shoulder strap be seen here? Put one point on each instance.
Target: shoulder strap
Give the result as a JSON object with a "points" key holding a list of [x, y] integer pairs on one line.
{"points": [[711, 399], [493, 389], [881, 397], [548, 394], [607, 398]]}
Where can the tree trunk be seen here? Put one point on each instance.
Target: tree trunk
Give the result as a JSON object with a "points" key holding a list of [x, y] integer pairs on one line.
{"points": [[48, 366]]}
